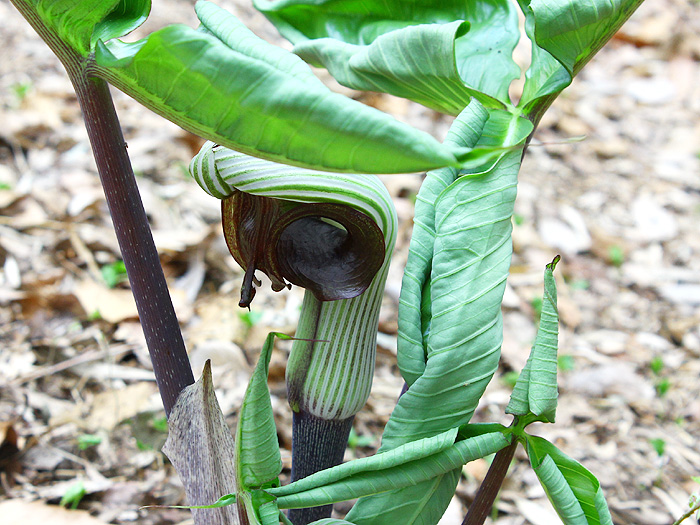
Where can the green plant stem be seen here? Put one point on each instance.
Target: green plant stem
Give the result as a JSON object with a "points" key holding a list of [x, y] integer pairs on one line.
{"points": [[480, 509], [687, 515], [160, 325], [317, 444]]}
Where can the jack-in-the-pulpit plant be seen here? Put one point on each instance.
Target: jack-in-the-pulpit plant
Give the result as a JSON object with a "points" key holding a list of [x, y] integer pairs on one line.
{"points": [[276, 135], [333, 234]]}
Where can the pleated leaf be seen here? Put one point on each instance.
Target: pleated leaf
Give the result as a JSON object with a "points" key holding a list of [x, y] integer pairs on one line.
{"points": [[574, 492], [416, 63], [566, 34], [535, 390], [408, 49], [376, 476], [258, 459], [470, 261], [468, 257], [470, 264], [227, 85], [414, 302], [267, 510], [361, 22]]}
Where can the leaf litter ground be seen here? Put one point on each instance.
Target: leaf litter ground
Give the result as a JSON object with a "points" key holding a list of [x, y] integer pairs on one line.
{"points": [[79, 411]]}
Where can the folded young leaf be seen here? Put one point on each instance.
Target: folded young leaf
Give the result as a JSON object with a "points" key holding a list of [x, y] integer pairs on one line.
{"points": [[407, 453], [257, 459], [422, 503], [393, 476], [261, 105], [565, 36], [414, 302], [468, 258], [535, 391], [574, 492]]}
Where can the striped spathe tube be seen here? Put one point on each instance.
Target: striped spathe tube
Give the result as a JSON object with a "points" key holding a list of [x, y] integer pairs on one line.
{"points": [[330, 370]]}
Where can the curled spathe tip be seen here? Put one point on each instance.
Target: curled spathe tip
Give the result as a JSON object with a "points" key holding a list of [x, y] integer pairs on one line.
{"points": [[332, 250]]}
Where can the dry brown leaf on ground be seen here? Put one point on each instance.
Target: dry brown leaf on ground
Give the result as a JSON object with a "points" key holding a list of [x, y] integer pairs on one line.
{"points": [[19, 512], [112, 305], [107, 409]]}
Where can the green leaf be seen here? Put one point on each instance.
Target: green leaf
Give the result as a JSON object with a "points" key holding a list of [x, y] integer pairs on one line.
{"points": [[225, 84], [467, 255], [360, 22], [413, 451], [427, 75], [574, 492], [536, 389], [258, 458], [266, 508], [565, 35], [81, 24], [375, 475], [424, 502], [414, 302], [470, 262], [407, 49]]}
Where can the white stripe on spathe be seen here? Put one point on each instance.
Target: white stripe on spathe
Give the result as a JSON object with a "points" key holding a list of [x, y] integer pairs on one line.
{"points": [[219, 170]]}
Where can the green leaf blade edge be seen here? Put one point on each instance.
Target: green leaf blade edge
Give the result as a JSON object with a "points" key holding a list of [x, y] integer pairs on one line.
{"points": [[237, 99]]}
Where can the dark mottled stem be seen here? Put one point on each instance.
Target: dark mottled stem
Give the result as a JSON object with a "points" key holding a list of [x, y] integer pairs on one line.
{"points": [[317, 444], [160, 325], [161, 328], [486, 495]]}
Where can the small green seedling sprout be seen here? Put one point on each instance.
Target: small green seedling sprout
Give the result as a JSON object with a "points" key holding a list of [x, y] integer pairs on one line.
{"points": [[114, 273], [73, 495], [85, 441], [616, 256], [659, 446], [656, 365], [160, 424], [566, 362]]}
